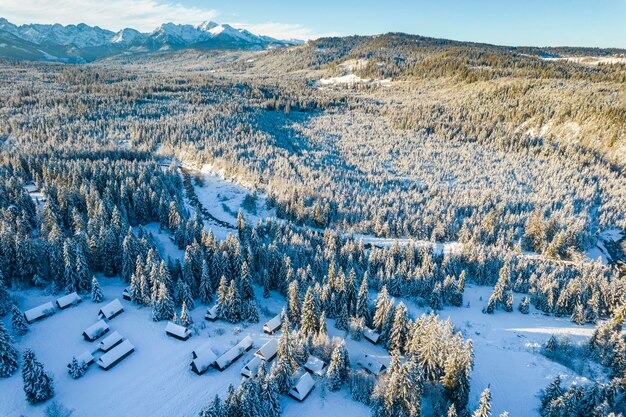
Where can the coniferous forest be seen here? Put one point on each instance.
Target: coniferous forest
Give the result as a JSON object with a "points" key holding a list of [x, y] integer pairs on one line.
{"points": [[401, 198]]}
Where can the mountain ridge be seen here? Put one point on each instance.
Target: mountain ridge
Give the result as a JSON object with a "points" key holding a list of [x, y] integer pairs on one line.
{"points": [[83, 43]]}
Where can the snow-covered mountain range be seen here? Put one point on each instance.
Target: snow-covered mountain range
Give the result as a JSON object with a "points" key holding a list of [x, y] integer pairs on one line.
{"points": [[84, 43]]}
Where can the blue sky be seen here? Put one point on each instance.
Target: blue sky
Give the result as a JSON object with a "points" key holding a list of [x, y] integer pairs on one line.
{"points": [[530, 22]]}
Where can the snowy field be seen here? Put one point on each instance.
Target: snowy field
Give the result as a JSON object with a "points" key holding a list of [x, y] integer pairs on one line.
{"points": [[506, 347], [507, 350], [156, 379]]}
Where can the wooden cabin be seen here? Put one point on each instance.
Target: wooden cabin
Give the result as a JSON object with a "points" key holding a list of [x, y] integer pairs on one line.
{"points": [[39, 312], [233, 353], [211, 313], [113, 309], [371, 335], [203, 359], [68, 300], [111, 341], [96, 331], [269, 350], [372, 365], [315, 365], [273, 325], [116, 355], [177, 331], [303, 387], [85, 358], [126, 294]]}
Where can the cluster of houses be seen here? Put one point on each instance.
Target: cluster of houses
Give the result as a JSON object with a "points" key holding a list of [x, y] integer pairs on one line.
{"points": [[47, 309], [114, 348]]}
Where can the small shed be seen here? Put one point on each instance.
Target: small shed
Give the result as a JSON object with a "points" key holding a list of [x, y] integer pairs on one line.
{"points": [[371, 335], [95, 331], [315, 365], [126, 294], [273, 325], [114, 308], [203, 359], [372, 365], [268, 351], [233, 353], [111, 341], [116, 355], [39, 312], [211, 313], [68, 300], [86, 357], [303, 387], [177, 331], [251, 368]]}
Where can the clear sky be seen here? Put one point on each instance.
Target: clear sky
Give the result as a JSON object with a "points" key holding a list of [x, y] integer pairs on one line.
{"points": [[599, 23]]}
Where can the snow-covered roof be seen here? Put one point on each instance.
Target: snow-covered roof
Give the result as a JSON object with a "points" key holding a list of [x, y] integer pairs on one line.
{"points": [[112, 309], [371, 335], [177, 330], [273, 324], [31, 188], [205, 347], [268, 350], [110, 341], [372, 365], [39, 312], [211, 312], [315, 365], [96, 329], [68, 300], [234, 353], [85, 357], [109, 358], [251, 368], [204, 359], [303, 387]]}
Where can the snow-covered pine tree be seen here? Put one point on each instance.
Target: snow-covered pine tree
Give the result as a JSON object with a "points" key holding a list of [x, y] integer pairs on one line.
{"points": [[233, 304], [524, 305], [163, 306], [293, 304], [206, 287], [310, 315], [335, 371], [185, 318], [38, 384], [400, 329], [8, 354], [77, 369], [183, 294], [362, 305], [484, 405], [343, 321], [18, 322], [5, 298], [222, 295], [82, 270], [96, 291], [382, 309], [508, 301], [214, 409]]}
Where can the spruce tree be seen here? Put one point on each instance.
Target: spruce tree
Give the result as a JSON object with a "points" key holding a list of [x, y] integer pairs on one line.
{"points": [[293, 304], [362, 305], [185, 318], [222, 295], [96, 291], [400, 329], [310, 315], [5, 298], [163, 306], [206, 287], [214, 409], [8, 354], [18, 322], [524, 306], [77, 369], [343, 321], [484, 406], [38, 384]]}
